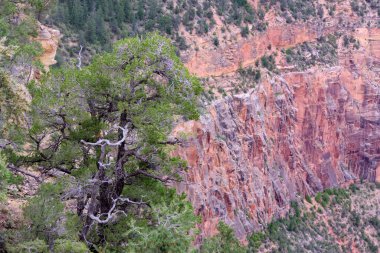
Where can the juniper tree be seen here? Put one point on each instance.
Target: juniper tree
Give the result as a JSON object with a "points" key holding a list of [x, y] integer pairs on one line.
{"points": [[106, 127]]}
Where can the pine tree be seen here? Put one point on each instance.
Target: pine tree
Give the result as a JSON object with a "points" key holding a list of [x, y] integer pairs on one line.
{"points": [[128, 11], [91, 35], [77, 17], [141, 10], [101, 31], [107, 126]]}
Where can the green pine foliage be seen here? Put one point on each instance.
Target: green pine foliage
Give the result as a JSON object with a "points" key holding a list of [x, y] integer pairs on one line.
{"points": [[255, 241], [7, 178], [41, 6], [44, 212], [67, 246], [36, 246], [308, 199], [16, 32]]}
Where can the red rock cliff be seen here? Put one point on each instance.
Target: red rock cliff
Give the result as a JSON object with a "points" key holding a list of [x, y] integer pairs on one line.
{"points": [[293, 135]]}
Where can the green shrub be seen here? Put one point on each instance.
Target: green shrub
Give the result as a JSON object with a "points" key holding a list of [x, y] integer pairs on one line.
{"points": [[225, 242], [244, 31], [323, 198], [354, 188], [255, 241], [5, 176], [268, 62], [374, 221], [355, 219], [67, 246], [43, 212], [36, 246], [215, 41]]}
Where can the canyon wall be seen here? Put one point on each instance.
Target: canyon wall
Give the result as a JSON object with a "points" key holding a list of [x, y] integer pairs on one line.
{"points": [[294, 134]]}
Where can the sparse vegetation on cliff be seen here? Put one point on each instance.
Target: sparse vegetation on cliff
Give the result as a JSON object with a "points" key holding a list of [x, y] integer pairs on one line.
{"points": [[349, 41], [337, 221], [268, 62], [362, 8], [306, 230], [323, 52], [294, 10]]}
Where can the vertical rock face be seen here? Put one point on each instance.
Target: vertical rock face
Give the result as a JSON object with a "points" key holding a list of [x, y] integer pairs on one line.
{"points": [[293, 135]]}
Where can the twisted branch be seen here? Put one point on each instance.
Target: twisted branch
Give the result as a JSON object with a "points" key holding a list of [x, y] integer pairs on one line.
{"points": [[102, 142], [110, 215]]}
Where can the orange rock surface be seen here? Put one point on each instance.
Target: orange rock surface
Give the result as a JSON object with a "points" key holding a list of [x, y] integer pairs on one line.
{"points": [[49, 38], [228, 58]]}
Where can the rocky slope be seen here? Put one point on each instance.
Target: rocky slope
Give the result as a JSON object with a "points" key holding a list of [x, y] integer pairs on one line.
{"points": [[293, 134], [335, 221]]}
